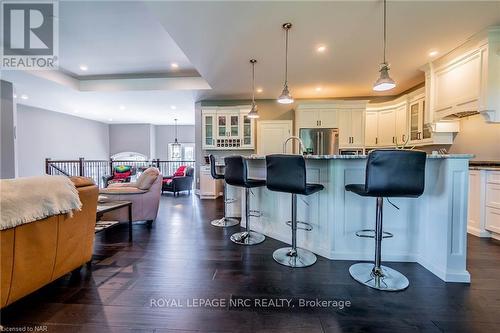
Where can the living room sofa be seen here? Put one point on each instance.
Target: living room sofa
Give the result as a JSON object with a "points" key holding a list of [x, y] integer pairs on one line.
{"points": [[37, 253]]}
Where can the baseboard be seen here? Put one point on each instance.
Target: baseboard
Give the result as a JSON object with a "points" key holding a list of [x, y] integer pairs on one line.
{"points": [[478, 232]]}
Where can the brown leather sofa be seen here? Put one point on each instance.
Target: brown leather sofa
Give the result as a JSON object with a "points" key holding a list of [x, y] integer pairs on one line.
{"points": [[37, 253]]}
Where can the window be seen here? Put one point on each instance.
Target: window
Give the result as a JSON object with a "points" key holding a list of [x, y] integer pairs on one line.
{"points": [[184, 152], [129, 156]]}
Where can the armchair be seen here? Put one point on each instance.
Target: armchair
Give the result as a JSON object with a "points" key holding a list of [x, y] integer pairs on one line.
{"points": [[144, 194], [121, 174], [181, 180]]}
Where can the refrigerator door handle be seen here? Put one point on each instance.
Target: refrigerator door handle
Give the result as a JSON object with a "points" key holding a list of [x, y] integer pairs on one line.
{"points": [[322, 143]]}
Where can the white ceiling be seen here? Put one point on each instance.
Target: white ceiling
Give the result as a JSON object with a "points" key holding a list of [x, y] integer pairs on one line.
{"points": [[220, 37], [133, 39]]}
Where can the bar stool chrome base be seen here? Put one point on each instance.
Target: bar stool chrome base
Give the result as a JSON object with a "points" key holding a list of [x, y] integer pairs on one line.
{"points": [[247, 238], [225, 222], [287, 256], [386, 278]]}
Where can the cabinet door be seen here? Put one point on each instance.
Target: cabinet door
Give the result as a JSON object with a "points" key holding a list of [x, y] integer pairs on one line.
{"points": [[328, 118], [387, 127], [401, 124], [371, 128], [208, 130], [426, 128], [307, 119], [222, 125], [234, 125], [345, 126], [357, 128], [248, 132], [415, 122]]}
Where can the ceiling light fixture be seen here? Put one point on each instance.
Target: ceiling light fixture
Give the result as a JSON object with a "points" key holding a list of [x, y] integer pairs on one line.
{"points": [[321, 48], [433, 53], [176, 142], [84, 68], [110, 119], [253, 111], [24, 96], [259, 90], [286, 97], [174, 65], [15, 96], [384, 82], [122, 107], [76, 111], [319, 89], [173, 107]]}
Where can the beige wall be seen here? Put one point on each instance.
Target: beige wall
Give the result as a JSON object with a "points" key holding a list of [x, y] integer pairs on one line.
{"points": [[478, 137]]}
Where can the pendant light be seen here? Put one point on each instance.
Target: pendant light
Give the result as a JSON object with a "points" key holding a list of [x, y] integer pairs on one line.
{"points": [[384, 82], [176, 142], [286, 97], [253, 112]]}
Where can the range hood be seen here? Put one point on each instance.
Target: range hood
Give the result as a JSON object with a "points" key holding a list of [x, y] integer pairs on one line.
{"points": [[460, 114]]}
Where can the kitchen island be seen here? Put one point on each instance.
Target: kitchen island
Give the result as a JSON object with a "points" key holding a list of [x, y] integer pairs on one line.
{"points": [[430, 230]]}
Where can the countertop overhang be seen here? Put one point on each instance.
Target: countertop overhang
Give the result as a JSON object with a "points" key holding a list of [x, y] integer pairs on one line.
{"points": [[352, 157]]}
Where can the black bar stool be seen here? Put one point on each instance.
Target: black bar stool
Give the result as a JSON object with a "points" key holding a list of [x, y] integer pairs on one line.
{"points": [[389, 173], [287, 173], [236, 174], [224, 221]]}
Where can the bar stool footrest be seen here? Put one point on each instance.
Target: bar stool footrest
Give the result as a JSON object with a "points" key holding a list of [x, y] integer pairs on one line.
{"points": [[230, 201], [307, 226], [370, 233], [255, 213]]}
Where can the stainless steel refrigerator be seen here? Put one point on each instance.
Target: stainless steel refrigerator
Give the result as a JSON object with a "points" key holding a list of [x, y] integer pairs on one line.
{"points": [[320, 141]]}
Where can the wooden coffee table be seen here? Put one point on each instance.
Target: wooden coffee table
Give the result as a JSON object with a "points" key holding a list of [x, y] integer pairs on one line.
{"points": [[104, 207]]}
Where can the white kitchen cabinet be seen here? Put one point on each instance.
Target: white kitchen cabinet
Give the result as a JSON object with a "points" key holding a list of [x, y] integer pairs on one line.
{"points": [[317, 118], [466, 79], [386, 128], [208, 130], [351, 124], [401, 124], [328, 118], [484, 203], [371, 128], [271, 134], [226, 128], [210, 188], [419, 130]]}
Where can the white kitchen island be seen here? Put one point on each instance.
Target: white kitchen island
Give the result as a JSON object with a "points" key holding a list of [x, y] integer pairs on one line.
{"points": [[430, 230]]}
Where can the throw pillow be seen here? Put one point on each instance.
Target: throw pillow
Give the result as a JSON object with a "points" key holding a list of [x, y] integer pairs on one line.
{"points": [[147, 178]]}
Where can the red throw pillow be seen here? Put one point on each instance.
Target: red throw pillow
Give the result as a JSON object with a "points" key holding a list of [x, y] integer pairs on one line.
{"points": [[122, 175], [181, 171]]}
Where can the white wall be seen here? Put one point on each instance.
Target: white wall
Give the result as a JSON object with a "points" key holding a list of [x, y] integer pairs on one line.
{"points": [[131, 137], [478, 137], [165, 134], [43, 133]]}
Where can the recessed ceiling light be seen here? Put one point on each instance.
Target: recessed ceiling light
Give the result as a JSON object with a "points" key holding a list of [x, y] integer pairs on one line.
{"points": [[122, 107], [173, 107], [174, 65], [321, 48], [259, 90], [433, 53], [110, 119], [76, 111], [319, 88], [23, 96], [15, 96], [84, 68]]}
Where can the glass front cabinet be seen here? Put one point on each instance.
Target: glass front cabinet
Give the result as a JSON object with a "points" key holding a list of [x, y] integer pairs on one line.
{"points": [[225, 129], [419, 129]]}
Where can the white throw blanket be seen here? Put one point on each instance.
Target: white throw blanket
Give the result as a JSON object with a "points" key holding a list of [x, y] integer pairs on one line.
{"points": [[24, 200]]}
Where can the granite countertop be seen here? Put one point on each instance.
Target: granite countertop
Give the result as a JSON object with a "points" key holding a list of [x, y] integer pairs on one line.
{"points": [[484, 165], [352, 157]]}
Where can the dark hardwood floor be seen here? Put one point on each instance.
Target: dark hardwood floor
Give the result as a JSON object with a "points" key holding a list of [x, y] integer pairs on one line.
{"points": [[183, 257]]}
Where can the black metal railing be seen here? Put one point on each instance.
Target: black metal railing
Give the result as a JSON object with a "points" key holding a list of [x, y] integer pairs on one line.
{"points": [[96, 169]]}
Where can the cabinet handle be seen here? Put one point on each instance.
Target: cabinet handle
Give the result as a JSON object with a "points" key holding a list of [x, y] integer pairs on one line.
{"points": [[376, 141], [320, 123], [403, 138], [418, 135], [393, 139]]}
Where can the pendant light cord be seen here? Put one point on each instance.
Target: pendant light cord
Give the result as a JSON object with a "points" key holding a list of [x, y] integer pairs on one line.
{"points": [[175, 130], [385, 29], [286, 56], [253, 83]]}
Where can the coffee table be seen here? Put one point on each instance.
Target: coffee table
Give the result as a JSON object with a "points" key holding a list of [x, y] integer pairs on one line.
{"points": [[107, 206]]}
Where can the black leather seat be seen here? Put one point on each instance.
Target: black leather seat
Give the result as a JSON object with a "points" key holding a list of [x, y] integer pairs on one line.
{"points": [[224, 221], [236, 174], [389, 173], [392, 173], [287, 173]]}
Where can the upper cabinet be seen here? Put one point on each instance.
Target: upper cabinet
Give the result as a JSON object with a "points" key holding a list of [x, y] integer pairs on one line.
{"points": [[347, 116], [227, 128], [387, 123], [467, 80]]}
